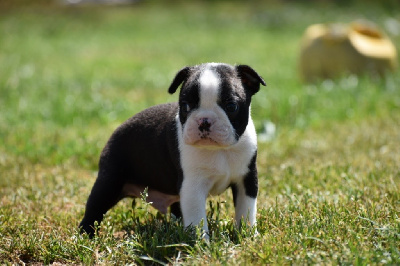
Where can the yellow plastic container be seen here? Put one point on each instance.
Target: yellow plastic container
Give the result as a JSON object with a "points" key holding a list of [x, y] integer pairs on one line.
{"points": [[329, 51]]}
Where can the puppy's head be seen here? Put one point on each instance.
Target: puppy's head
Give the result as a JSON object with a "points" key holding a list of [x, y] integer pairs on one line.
{"points": [[214, 102]]}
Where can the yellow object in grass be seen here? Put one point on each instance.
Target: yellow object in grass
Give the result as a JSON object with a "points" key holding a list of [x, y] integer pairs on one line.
{"points": [[329, 51]]}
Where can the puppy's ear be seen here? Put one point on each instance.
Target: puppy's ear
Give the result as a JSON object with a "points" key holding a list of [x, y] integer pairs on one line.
{"points": [[180, 77], [250, 78]]}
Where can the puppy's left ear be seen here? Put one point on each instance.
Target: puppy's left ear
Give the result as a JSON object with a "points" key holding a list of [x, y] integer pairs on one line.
{"points": [[180, 77], [250, 78]]}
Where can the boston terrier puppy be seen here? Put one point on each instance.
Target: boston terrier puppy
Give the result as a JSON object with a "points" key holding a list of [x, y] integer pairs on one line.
{"points": [[183, 152]]}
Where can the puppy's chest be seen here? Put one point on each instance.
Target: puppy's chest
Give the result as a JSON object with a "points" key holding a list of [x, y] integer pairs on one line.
{"points": [[219, 169]]}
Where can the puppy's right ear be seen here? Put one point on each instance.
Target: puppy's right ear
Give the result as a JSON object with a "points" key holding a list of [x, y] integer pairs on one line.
{"points": [[180, 77]]}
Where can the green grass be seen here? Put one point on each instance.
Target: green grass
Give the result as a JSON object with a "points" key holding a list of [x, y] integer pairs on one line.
{"points": [[329, 181]]}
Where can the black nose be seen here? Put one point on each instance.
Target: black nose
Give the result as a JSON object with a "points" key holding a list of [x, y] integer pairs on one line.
{"points": [[204, 125]]}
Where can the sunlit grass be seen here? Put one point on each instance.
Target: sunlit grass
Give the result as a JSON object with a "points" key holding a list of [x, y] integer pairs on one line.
{"points": [[329, 180]]}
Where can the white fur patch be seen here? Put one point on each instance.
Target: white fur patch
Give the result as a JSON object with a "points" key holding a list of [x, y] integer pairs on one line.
{"points": [[209, 88]]}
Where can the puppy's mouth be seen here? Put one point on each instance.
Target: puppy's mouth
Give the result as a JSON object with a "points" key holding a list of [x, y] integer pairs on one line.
{"points": [[206, 142], [209, 143]]}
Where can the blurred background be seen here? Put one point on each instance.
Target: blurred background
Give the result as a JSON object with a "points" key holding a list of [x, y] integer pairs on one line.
{"points": [[73, 70]]}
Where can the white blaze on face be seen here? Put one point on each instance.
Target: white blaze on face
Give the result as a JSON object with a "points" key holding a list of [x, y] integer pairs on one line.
{"points": [[209, 89]]}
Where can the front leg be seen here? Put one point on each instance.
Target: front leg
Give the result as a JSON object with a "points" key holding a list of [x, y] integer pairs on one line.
{"points": [[193, 197], [245, 206], [245, 196]]}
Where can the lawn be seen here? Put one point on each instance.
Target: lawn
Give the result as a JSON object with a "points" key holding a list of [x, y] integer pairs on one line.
{"points": [[329, 180]]}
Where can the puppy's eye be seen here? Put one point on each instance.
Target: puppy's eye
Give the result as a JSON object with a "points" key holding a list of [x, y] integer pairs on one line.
{"points": [[231, 107], [185, 107]]}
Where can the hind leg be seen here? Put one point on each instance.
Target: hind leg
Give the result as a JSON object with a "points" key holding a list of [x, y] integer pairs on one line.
{"points": [[106, 192]]}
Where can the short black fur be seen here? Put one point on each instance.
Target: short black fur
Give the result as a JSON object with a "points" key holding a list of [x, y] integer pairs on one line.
{"points": [[124, 161]]}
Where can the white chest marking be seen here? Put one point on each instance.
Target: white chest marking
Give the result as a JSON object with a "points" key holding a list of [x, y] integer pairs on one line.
{"points": [[218, 167]]}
